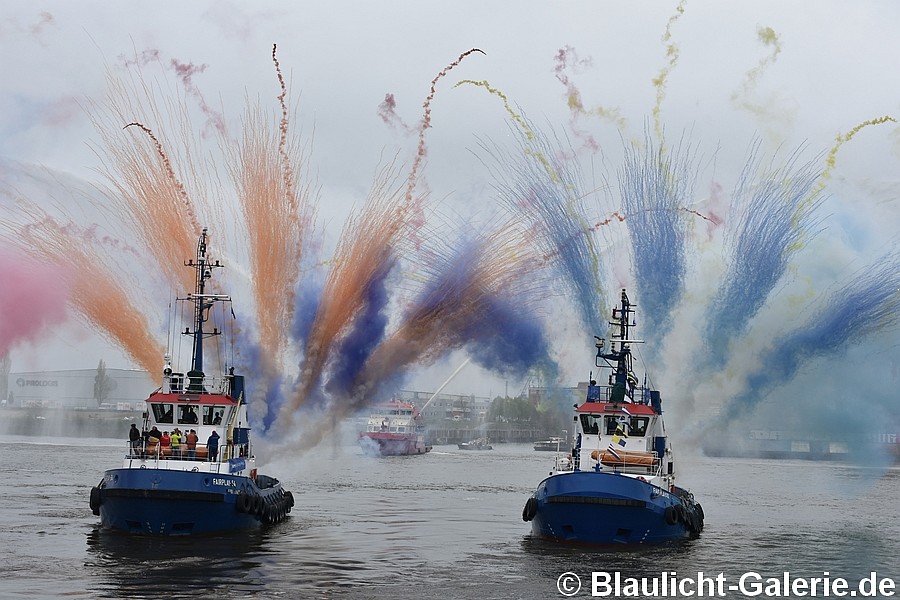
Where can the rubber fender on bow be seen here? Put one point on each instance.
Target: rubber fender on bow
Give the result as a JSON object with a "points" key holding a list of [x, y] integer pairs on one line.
{"points": [[530, 509], [244, 503], [290, 498], [671, 515], [95, 501]]}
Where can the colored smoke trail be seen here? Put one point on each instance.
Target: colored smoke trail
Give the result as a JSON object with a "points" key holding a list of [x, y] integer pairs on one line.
{"points": [[94, 290], [139, 167], [840, 140], [467, 302], [365, 247], [869, 303], [362, 253], [524, 127], [545, 187], [654, 186], [477, 298], [32, 298], [743, 97], [566, 57], [366, 332], [772, 219], [426, 123], [277, 213], [661, 81]]}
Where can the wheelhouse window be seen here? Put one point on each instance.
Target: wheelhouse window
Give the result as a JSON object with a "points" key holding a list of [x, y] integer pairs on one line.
{"points": [[187, 415], [638, 426], [591, 423], [162, 412], [212, 415], [613, 421]]}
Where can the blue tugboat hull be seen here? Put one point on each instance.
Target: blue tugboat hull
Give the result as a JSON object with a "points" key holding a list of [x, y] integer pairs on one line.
{"points": [[170, 502], [607, 508]]}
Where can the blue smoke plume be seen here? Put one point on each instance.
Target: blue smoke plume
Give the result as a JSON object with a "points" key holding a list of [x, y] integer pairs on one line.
{"points": [[307, 297], [655, 187], [867, 304], [506, 338], [543, 184], [773, 212], [367, 330]]}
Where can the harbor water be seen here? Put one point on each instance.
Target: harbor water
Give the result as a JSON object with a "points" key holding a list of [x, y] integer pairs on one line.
{"points": [[444, 525]]}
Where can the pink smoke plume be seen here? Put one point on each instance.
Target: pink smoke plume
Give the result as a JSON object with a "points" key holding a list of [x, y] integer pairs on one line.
{"points": [[186, 72], [387, 110], [32, 298]]}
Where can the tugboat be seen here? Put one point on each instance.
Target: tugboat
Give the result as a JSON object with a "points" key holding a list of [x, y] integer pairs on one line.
{"points": [[394, 428], [618, 485], [201, 485], [479, 444]]}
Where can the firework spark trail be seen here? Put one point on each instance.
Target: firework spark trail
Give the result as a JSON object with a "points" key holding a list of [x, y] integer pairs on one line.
{"points": [[869, 303], [149, 190], [360, 257], [547, 192], [840, 140], [277, 215], [474, 300], [771, 221], [742, 97], [661, 80], [564, 57], [654, 186], [94, 291], [462, 303], [426, 123], [366, 245], [32, 298]]}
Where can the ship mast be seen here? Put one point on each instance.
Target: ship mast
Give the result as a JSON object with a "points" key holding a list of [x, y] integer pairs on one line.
{"points": [[620, 380], [202, 301]]}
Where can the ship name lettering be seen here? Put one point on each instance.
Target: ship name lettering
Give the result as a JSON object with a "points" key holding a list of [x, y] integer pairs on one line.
{"points": [[221, 481]]}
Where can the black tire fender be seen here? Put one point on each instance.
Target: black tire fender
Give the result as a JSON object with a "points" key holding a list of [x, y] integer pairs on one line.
{"points": [[530, 509], [671, 515], [95, 501], [244, 503]]}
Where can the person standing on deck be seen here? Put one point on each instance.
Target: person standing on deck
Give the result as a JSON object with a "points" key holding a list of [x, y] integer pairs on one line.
{"points": [[191, 440], [175, 440], [134, 437], [212, 446]]}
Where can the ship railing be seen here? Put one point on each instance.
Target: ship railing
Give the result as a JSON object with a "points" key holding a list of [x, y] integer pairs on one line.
{"points": [[150, 451], [564, 462], [635, 462], [208, 384]]}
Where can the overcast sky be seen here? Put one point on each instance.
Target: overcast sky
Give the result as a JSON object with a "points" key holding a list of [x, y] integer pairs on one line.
{"points": [[788, 72]]}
